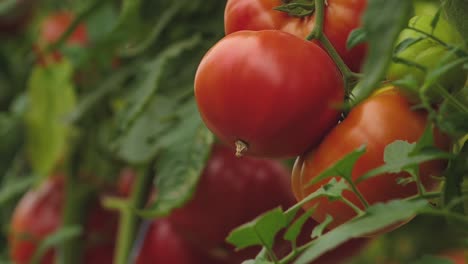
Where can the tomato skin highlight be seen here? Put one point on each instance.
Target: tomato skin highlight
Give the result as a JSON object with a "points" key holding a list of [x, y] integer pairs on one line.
{"points": [[341, 17], [378, 121], [38, 214], [280, 101]]}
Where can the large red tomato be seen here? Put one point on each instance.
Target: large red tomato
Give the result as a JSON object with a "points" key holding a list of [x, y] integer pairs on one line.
{"points": [[341, 17], [38, 215], [377, 122], [275, 92], [231, 192]]}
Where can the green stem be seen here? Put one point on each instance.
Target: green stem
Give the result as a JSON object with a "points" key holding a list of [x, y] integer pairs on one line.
{"points": [[73, 215], [317, 33], [129, 220], [357, 192]]}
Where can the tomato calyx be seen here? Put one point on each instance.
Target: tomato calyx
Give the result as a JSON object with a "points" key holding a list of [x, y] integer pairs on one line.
{"points": [[297, 8]]}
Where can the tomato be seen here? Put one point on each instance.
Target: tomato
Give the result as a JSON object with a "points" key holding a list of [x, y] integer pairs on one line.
{"points": [[377, 122], [341, 17], [278, 99], [162, 244], [428, 53], [52, 28], [38, 214], [231, 192], [56, 24]]}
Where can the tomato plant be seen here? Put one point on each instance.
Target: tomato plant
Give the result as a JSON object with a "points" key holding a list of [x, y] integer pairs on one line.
{"points": [[341, 17], [297, 108], [38, 216], [378, 121]]}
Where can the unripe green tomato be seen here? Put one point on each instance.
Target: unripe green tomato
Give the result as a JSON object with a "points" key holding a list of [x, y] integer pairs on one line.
{"points": [[428, 53], [425, 7]]}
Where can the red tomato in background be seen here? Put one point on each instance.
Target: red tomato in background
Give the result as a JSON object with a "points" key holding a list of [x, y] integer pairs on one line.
{"points": [[52, 28], [378, 121], [458, 256], [278, 99], [341, 17], [38, 214], [162, 244], [56, 24], [231, 192]]}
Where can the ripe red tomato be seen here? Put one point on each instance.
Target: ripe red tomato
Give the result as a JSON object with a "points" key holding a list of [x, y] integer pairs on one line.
{"points": [[162, 244], [280, 100], [382, 119], [52, 28], [56, 24], [231, 192], [341, 17], [38, 215], [458, 256]]}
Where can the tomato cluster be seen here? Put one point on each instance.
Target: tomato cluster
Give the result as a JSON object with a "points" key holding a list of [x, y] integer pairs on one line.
{"points": [[265, 90]]}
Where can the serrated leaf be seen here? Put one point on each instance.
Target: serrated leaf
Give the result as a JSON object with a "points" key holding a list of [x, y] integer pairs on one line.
{"points": [[294, 230], [261, 231], [399, 156], [356, 37], [151, 83], [51, 98], [142, 141], [180, 163], [343, 167], [383, 21], [318, 230], [378, 216]]}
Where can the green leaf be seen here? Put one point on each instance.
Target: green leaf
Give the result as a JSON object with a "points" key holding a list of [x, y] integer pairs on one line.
{"points": [[181, 162], [356, 37], [15, 189], [261, 231], [151, 83], [382, 22], [295, 229], [378, 216], [343, 167], [297, 8], [51, 98], [400, 156], [456, 11], [142, 141], [53, 240], [406, 43]]}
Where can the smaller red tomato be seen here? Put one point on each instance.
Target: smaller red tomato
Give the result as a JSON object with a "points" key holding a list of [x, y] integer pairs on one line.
{"points": [[38, 214], [162, 244], [268, 93], [231, 192], [380, 120]]}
